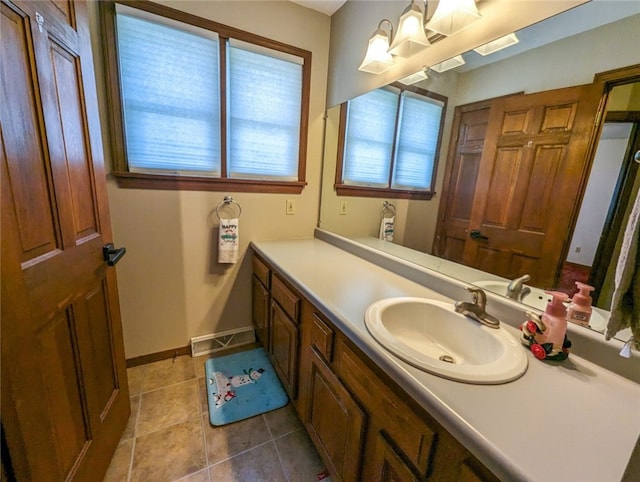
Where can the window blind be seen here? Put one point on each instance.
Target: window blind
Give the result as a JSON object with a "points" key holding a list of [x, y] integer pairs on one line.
{"points": [[265, 99], [170, 95], [417, 141], [369, 137]]}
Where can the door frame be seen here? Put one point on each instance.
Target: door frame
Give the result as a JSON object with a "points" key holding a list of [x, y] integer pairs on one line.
{"points": [[622, 193]]}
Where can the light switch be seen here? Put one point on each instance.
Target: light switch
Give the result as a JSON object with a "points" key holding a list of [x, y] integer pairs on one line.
{"points": [[290, 206], [343, 207]]}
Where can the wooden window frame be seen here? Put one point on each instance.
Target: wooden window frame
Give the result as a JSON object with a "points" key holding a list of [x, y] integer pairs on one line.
{"points": [[120, 170], [388, 192]]}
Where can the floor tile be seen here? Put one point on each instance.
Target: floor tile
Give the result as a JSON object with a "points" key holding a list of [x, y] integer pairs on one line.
{"points": [[120, 463], [135, 376], [166, 372], [298, 456], [129, 430], [259, 464], [198, 364], [201, 476], [282, 421], [167, 406], [169, 454], [202, 395], [228, 440]]}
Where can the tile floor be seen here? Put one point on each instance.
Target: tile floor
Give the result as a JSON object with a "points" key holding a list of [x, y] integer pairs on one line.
{"points": [[169, 437]]}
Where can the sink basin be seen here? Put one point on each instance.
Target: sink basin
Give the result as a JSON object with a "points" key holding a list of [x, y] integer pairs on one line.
{"points": [[536, 298], [430, 335]]}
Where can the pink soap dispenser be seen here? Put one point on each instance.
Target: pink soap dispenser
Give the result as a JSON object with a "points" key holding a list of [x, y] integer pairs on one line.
{"points": [[546, 336], [579, 311]]}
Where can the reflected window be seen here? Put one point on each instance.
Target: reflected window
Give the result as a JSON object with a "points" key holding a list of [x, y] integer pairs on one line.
{"points": [[390, 140]]}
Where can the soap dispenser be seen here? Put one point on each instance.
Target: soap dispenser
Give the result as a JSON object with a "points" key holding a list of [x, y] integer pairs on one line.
{"points": [[546, 335], [579, 311]]}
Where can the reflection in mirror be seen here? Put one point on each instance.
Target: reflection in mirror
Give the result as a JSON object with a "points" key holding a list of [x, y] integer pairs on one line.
{"points": [[582, 254]]}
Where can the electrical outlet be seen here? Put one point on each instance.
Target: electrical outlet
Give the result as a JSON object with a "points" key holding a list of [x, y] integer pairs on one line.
{"points": [[290, 207], [343, 207]]}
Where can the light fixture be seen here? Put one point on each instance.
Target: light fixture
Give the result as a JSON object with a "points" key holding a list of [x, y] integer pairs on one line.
{"points": [[448, 64], [378, 59], [410, 37], [415, 77], [497, 44], [451, 16]]}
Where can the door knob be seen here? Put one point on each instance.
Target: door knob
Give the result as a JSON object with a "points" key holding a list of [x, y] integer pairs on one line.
{"points": [[475, 234], [112, 254]]}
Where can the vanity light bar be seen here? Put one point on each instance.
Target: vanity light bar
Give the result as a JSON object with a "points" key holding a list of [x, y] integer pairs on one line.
{"points": [[498, 44]]}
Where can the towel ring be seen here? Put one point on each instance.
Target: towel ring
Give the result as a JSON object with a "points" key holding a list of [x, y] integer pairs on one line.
{"points": [[388, 208], [227, 201]]}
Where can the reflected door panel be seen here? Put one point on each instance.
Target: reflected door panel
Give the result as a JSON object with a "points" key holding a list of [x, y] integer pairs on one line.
{"points": [[528, 182]]}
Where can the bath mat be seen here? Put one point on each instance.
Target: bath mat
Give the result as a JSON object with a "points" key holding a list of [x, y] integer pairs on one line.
{"points": [[242, 385]]}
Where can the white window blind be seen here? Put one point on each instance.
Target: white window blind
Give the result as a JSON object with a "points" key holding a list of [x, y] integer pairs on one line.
{"points": [[417, 144], [170, 92], [374, 121], [265, 98], [369, 137]]}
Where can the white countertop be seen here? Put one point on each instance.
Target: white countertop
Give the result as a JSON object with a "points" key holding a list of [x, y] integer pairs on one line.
{"points": [[565, 421]]}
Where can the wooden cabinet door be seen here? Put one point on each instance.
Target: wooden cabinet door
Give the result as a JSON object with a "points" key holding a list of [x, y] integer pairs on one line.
{"points": [[529, 184], [283, 334], [65, 399], [334, 420], [260, 311], [388, 466]]}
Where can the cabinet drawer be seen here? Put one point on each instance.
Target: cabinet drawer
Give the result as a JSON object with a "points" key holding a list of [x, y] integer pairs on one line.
{"points": [[409, 432], [288, 300], [262, 272], [322, 337]]}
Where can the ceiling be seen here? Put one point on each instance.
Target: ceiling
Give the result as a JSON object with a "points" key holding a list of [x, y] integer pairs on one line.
{"points": [[328, 7]]}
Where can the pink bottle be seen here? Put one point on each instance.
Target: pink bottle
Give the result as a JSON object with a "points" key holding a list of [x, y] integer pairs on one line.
{"points": [[579, 311], [555, 321]]}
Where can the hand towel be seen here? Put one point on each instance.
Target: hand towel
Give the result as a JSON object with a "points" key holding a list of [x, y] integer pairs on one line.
{"points": [[387, 228], [625, 304], [228, 241]]}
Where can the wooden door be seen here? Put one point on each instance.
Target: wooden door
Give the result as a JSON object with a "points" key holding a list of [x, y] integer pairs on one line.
{"points": [[65, 398], [388, 466], [334, 420], [283, 336], [529, 185], [470, 124]]}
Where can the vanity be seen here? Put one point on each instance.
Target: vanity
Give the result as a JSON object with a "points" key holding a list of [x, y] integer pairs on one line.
{"points": [[373, 416]]}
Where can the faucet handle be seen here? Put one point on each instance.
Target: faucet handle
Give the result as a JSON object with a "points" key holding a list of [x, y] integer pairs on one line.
{"points": [[479, 296]]}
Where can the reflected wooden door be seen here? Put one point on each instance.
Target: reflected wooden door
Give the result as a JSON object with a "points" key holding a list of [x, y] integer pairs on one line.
{"points": [[65, 399], [530, 182], [471, 122]]}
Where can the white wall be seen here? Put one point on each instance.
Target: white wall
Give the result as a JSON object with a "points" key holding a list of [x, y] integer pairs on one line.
{"points": [[171, 287], [565, 63], [597, 197]]}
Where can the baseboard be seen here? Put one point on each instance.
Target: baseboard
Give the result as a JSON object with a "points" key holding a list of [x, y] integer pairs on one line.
{"points": [[161, 355]]}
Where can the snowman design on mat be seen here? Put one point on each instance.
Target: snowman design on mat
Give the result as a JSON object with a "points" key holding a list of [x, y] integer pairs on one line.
{"points": [[226, 385]]}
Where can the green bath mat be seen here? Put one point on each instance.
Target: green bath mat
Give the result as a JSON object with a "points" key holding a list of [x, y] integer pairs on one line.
{"points": [[242, 385]]}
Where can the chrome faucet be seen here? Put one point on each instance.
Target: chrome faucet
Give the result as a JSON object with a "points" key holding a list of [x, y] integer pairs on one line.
{"points": [[476, 309], [516, 289]]}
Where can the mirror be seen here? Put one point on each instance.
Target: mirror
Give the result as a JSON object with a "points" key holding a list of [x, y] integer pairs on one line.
{"points": [[607, 42]]}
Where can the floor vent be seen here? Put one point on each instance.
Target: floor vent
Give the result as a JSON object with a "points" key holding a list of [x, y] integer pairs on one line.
{"points": [[201, 345]]}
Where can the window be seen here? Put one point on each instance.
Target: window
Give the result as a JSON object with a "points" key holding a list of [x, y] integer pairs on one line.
{"points": [[389, 143], [198, 105]]}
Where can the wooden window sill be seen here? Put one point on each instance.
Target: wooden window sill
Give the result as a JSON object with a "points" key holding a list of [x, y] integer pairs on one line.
{"points": [[348, 190], [135, 180]]}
